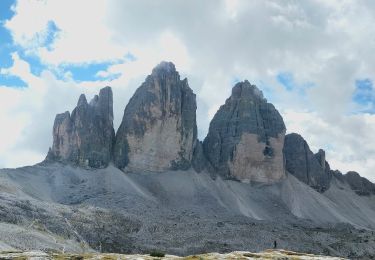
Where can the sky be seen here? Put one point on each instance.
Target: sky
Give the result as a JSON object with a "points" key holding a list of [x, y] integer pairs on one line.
{"points": [[313, 59]]}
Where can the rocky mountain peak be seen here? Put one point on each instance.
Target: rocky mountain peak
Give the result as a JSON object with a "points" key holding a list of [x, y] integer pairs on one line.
{"points": [[158, 131], [82, 101], [314, 170], [359, 184], [246, 137], [164, 68], [247, 91], [86, 136], [106, 103], [321, 157], [308, 167]]}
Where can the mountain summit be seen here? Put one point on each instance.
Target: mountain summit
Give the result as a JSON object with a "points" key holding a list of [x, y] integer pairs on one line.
{"points": [[246, 137], [85, 137], [158, 131]]}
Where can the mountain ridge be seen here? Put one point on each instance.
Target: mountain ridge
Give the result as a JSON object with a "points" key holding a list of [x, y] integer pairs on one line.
{"points": [[246, 120], [152, 185]]}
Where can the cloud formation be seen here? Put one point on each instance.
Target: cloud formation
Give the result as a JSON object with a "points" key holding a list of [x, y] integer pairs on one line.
{"points": [[324, 47]]}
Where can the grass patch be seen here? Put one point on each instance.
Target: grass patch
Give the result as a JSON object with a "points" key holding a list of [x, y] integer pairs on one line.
{"points": [[157, 254], [19, 258], [252, 255], [71, 256], [109, 257], [194, 257]]}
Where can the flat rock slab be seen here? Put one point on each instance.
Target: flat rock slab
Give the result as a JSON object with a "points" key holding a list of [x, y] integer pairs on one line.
{"points": [[268, 254]]}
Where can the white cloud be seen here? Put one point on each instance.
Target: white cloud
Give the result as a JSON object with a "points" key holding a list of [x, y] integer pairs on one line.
{"points": [[348, 140], [327, 43], [83, 36], [27, 114]]}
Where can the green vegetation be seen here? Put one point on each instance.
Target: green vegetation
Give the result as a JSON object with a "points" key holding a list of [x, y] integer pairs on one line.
{"points": [[157, 254]]}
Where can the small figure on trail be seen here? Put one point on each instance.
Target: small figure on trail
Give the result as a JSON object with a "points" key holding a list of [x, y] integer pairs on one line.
{"points": [[274, 244]]}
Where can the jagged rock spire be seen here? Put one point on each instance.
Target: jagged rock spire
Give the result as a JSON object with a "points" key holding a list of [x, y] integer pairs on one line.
{"points": [[308, 167], [86, 136], [314, 170], [158, 131]]}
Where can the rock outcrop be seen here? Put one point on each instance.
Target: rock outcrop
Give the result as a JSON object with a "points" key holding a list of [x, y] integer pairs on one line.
{"points": [[86, 136], [199, 161], [360, 185], [158, 131], [308, 167], [246, 138]]}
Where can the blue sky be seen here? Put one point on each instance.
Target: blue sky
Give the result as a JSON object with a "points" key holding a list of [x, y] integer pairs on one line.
{"points": [[286, 79], [7, 47], [363, 94], [52, 51], [87, 71]]}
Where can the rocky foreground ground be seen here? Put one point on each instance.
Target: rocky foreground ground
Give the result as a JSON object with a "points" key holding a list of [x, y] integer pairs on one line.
{"points": [[267, 254]]}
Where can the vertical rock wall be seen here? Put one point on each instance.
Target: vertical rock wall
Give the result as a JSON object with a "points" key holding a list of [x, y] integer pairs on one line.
{"points": [[85, 137], [308, 167], [246, 137], [158, 131]]}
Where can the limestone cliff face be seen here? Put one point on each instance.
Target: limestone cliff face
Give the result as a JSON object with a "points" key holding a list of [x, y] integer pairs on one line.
{"points": [[308, 167], [158, 131], [85, 137], [246, 137]]}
